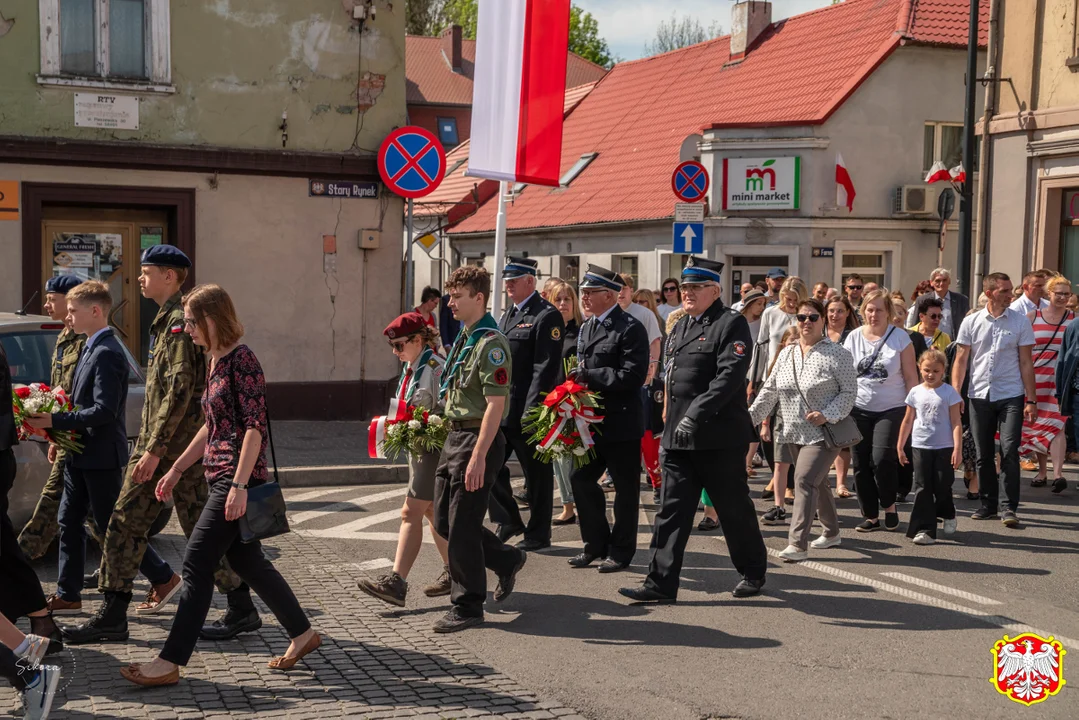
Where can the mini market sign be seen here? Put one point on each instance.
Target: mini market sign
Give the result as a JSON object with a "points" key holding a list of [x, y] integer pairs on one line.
{"points": [[761, 183]]}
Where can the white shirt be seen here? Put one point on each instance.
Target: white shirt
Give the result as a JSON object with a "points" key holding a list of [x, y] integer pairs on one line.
{"points": [[665, 310], [524, 302], [647, 318], [946, 325], [739, 306], [774, 322], [1025, 305], [882, 387], [601, 318], [89, 344], [994, 352], [932, 416]]}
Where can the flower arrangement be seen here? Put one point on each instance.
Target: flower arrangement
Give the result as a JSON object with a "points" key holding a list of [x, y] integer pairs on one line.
{"points": [[36, 398], [416, 432], [559, 426]]}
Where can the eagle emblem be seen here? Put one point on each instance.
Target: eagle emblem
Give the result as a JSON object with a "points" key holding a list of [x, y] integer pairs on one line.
{"points": [[1029, 668]]}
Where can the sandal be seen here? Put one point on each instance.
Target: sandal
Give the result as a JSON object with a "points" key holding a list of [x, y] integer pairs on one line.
{"points": [[285, 662], [1039, 482], [843, 493], [133, 673]]}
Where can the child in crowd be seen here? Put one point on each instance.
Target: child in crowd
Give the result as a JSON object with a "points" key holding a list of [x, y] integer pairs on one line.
{"points": [[933, 410]]}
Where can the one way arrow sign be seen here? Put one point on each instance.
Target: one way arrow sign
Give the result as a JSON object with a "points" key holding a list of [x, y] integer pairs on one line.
{"points": [[689, 237]]}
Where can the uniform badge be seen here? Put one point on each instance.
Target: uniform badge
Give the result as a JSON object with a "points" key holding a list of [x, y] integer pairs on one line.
{"points": [[497, 356], [702, 338], [523, 326], [739, 348], [177, 329], [501, 376], [1028, 668], [556, 334], [390, 333]]}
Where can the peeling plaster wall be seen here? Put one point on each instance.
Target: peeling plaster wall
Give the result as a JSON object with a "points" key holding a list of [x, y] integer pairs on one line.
{"points": [[1033, 49], [236, 65]]}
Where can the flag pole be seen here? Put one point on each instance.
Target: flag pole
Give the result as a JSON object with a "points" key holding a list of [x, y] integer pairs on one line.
{"points": [[500, 252]]}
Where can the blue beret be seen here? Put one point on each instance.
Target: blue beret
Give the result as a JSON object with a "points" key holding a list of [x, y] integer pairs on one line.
{"points": [[165, 256], [62, 284]]}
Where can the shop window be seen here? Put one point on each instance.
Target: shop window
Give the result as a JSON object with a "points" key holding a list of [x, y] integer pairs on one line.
{"points": [[105, 43], [628, 265], [944, 142], [447, 131], [870, 265]]}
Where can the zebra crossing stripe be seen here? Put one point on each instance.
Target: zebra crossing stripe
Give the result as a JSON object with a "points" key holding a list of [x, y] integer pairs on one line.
{"points": [[350, 504]]}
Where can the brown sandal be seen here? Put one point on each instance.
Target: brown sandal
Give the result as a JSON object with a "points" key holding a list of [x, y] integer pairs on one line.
{"points": [[285, 663], [133, 672]]}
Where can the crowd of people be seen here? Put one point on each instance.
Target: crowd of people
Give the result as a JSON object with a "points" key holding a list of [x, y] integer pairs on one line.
{"points": [[896, 396]]}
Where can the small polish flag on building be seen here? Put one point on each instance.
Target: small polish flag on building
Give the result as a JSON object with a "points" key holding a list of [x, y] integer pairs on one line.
{"points": [[844, 186], [938, 173], [519, 90], [958, 174]]}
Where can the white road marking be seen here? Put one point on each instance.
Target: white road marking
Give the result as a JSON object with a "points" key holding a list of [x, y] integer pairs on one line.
{"points": [[301, 517], [373, 564], [374, 536], [944, 589], [313, 494], [365, 522]]}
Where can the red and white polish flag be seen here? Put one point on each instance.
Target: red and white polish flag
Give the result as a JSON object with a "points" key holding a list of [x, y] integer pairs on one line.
{"points": [[844, 186], [376, 431], [519, 90], [958, 175], [938, 173]]}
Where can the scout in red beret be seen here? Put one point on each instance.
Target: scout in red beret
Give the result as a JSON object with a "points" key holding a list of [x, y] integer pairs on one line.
{"points": [[408, 324]]}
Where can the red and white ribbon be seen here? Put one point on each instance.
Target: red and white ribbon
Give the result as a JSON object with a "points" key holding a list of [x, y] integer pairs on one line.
{"points": [[561, 400], [376, 431]]}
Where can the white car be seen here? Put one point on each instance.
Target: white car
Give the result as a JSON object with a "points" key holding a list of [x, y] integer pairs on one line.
{"points": [[29, 341]]}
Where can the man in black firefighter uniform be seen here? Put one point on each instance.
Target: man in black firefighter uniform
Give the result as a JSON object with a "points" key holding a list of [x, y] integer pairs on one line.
{"points": [[534, 329], [613, 351], [705, 438]]}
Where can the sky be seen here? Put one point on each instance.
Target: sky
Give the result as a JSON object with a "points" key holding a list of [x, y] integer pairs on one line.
{"points": [[628, 25]]}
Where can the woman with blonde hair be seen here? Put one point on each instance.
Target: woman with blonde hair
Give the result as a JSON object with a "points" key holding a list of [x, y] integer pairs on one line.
{"points": [[232, 447], [564, 298]]}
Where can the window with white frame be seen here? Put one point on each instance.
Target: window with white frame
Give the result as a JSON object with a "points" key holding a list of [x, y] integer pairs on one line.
{"points": [[870, 265], [944, 142], [105, 42]]}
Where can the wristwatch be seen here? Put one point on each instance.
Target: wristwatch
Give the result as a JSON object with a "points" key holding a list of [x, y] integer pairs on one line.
{"points": [[241, 486]]}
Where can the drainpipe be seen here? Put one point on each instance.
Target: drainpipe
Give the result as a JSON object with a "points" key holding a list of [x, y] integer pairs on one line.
{"points": [[984, 156]]}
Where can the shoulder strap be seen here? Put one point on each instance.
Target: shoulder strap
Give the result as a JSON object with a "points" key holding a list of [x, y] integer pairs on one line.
{"points": [[882, 343]]}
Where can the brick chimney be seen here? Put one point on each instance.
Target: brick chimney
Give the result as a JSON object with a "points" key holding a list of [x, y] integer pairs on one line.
{"points": [[749, 18], [451, 47]]}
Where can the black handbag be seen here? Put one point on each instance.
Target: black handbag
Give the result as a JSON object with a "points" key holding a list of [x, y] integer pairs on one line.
{"points": [[265, 515]]}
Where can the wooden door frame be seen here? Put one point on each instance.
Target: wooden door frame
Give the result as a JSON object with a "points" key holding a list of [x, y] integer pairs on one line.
{"points": [[179, 203]]}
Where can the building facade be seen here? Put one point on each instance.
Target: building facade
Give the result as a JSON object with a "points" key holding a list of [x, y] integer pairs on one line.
{"points": [[243, 132]]}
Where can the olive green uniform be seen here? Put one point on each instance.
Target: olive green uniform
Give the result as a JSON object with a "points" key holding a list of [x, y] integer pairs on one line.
{"points": [[171, 416], [472, 375], [40, 531]]}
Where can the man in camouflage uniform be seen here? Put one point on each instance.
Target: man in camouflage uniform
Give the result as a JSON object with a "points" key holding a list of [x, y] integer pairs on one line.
{"points": [[40, 531], [171, 416]]}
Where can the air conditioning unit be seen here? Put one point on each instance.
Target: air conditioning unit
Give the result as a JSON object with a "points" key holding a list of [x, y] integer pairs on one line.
{"points": [[916, 200]]}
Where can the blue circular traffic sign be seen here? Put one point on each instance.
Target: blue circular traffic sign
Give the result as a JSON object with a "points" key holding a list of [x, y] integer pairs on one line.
{"points": [[411, 162], [690, 181]]}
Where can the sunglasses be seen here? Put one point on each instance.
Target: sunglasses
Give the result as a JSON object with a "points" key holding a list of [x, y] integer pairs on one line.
{"points": [[855, 287], [670, 288], [811, 317], [398, 345], [934, 316], [189, 323]]}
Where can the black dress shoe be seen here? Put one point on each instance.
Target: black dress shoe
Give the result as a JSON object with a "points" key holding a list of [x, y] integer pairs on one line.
{"points": [[571, 520], [612, 566], [533, 545], [645, 594], [748, 587], [89, 582], [506, 582], [522, 498], [506, 533], [231, 624], [582, 560]]}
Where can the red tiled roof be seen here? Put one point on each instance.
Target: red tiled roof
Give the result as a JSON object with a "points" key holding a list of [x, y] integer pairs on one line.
{"points": [[797, 73], [946, 22], [430, 81]]}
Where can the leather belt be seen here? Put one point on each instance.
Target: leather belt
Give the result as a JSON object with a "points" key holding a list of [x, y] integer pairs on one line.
{"points": [[465, 424]]}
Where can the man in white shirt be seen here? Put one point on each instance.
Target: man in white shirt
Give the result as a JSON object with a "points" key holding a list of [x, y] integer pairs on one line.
{"points": [[997, 342], [746, 289], [647, 318], [955, 306], [1034, 295]]}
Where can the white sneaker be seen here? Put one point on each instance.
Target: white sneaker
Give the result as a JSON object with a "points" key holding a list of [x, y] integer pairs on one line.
{"points": [[823, 542], [39, 694], [949, 527], [793, 554], [36, 651], [923, 538]]}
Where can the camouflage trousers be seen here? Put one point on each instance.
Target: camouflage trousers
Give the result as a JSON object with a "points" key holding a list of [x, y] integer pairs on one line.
{"points": [[135, 511], [43, 525]]}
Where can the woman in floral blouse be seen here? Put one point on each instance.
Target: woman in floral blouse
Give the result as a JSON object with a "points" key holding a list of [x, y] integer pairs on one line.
{"points": [[232, 447], [819, 372]]}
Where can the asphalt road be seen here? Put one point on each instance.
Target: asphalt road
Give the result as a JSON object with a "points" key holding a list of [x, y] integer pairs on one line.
{"points": [[877, 628]]}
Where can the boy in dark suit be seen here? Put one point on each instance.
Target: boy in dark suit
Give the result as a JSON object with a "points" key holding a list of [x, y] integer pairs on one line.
{"points": [[93, 477]]}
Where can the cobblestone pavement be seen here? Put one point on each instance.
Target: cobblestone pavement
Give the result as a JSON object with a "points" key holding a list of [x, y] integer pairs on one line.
{"points": [[372, 663]]}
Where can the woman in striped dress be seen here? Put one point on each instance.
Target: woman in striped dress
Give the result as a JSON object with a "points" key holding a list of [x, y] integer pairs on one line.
{"points": [[1046, 436]]}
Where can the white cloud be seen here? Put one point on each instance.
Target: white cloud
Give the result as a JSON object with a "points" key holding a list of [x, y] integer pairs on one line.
{"points": [[628, 25]]}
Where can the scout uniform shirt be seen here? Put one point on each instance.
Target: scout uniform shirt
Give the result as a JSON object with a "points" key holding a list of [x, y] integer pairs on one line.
{"points": [[479, 366], [175, 380], [69, 346]]}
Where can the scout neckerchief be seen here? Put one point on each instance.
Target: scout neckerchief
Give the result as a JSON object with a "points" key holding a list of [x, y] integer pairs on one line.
{"points": [[462, 348], [405, 389]]}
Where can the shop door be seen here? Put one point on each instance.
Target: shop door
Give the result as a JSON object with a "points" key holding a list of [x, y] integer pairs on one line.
{"points": [[106, 246], [751, 269]]}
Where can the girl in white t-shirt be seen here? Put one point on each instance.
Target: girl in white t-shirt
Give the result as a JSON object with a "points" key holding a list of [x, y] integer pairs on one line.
{"points": [[933, 417]]}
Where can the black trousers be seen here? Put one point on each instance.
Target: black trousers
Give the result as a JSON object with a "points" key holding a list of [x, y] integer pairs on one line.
{"points": [[212, 538], [20, 589], [875, 459], [987, 417], [933, 477], [905, 473], [622, 459], [473, 549], [723, 474], [539, 486]]}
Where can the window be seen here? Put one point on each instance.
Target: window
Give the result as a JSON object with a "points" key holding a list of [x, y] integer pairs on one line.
{"points": [[577, 169], [944, 142], [106, 44], [870, 265], [447, 131], [627, 264]]}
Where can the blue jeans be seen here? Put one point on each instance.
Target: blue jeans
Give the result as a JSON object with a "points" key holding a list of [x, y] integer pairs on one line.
{"points": [[987, 417], [94, 493]]}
